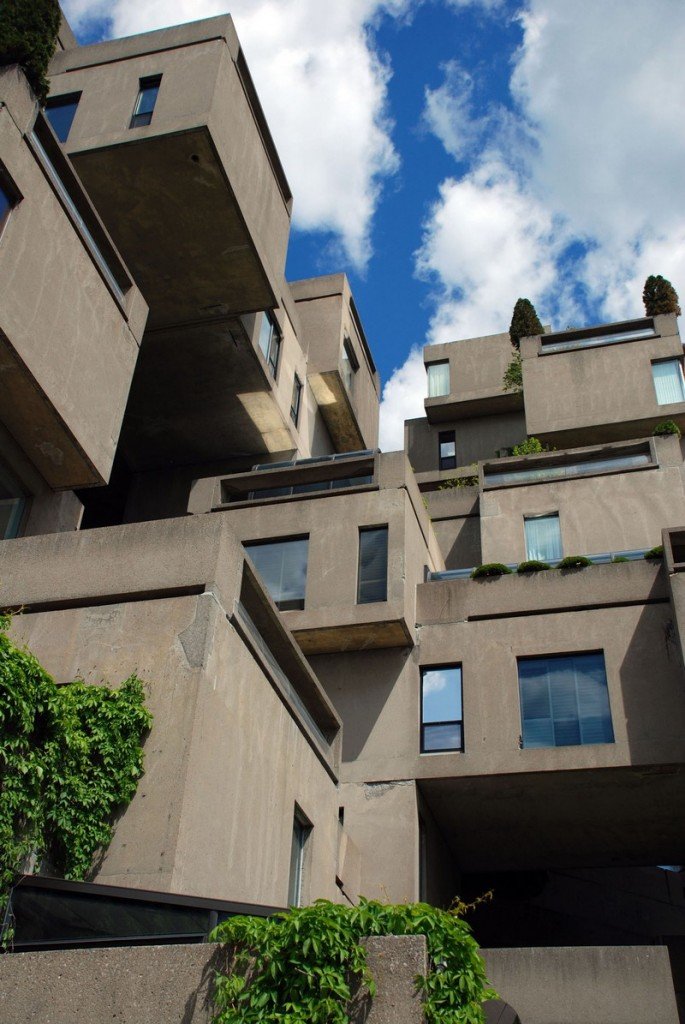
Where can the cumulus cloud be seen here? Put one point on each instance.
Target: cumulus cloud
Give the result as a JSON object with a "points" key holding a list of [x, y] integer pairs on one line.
{"points": [[402, 400], [322, 86]]}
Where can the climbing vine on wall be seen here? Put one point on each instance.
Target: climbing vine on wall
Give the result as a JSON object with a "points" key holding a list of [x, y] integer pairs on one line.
{"points": [[70, 756], [308, 965]]}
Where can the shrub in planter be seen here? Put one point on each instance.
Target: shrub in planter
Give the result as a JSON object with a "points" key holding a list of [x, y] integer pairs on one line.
{"points": [[574, 562], [532, 566], [490, 569], [620, 558], [657, 552], [667, 427], [524, 322], [531, 446], [28, 34], [659, 296]]}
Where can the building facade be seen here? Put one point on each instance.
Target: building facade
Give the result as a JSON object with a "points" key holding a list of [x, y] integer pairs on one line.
{"points": [[191, 489]]}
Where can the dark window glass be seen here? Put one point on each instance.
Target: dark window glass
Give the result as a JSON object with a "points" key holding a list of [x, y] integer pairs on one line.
{"points": [[373, 565], [301, 832], [448, 449], [270, 342], [350, 364], [60, 112], [282, 565], [297, 398], [564, 701], [12, 503], [441, 709], [145, 103], [9, 196]]}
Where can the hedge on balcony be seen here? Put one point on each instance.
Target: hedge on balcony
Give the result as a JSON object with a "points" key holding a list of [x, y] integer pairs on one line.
{"points": [[532, 566], [574, 562], [491, 569]]}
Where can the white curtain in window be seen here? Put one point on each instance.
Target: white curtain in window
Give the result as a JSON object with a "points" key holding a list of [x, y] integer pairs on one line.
{"points": [[543, 538], [438, 379], [668, 381]]}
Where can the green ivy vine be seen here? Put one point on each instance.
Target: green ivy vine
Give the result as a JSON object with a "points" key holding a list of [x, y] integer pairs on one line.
{"points": [[308, 965], [70, 756]]}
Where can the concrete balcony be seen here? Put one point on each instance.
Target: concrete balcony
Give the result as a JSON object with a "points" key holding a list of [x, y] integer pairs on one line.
{"points": [[594, 385], [196, 199], [341, 371], [71, 318], [472, 383]]}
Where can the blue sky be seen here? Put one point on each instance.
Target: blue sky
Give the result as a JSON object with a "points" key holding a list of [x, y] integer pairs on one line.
{"points": [[451, 155]]}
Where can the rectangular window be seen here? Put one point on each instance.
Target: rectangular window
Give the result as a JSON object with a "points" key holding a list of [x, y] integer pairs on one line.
{"points": [[564, 700], [668, 381], [12, 503], [441, 709], [438, 379], [282, 565], [373, 565], [301, 832], [296, 400], [60, 111], [145, 102], [270, 342], [350, 365], [543, 537], [448, 449]]}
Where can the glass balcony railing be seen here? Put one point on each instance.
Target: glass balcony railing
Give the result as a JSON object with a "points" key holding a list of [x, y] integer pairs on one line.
{"points": [[566, 470], [603, 558], [591, 339]]}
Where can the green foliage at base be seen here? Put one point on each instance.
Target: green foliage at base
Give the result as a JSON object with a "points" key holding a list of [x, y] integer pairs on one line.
{"points": [[532, 566], [490, 569], [70, 756], [659, 296], [574, 562], [28, 35], [524, 322], [308, 966], [667, 427], [513, 375], [657, 552]]}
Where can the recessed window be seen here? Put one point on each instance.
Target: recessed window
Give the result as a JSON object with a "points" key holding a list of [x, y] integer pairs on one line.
{"points": [[441, 709], [9, 196], [350, 364], [282, 565], [373, 565], [668, 381], [564, 700], [302, 830], [12, 504], [60, 111], [543, 537], [438, 379], [296, 400], [145, 101], [270, 342], [447, 449]]}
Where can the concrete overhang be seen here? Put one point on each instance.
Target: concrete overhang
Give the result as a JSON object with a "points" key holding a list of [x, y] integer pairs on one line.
{"points": [[336, 409], [472, 404]]}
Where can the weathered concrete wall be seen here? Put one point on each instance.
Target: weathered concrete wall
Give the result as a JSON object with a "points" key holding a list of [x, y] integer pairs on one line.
{"points": [[477, 438]]}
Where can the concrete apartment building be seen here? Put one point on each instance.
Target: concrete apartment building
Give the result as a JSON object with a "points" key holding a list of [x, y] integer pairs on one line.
{"points": [[191, 489]]}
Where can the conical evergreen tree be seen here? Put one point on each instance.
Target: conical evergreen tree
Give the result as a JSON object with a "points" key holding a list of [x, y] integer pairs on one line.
{"points": [[659, 296], [28, 34], [524, 322]]}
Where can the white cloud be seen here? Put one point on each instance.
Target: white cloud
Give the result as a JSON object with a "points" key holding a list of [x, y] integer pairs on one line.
{"points": [[447, 112], [403, 397], [323, 88]]}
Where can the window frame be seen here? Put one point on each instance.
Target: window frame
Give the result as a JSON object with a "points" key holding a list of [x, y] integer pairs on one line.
{"points": [[367, 530], [302, 828], [350, 364], [429, 367], [273, 342], [681, 379], [292, 604], [296, 400], [560, 746], [554, 513], [65, 100], [141, 119], [447, 461], [450, 721]]}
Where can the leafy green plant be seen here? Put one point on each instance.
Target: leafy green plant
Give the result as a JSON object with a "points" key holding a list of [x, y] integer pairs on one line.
{"points": [[657, 552], [532, 566], [308, 965], [659, 296], [574, 562], [620, 558], [531, 446], [28, 34], [70, 757], [667, 427], [513, 375], [524, 322], [471, 480], [490, 569]]}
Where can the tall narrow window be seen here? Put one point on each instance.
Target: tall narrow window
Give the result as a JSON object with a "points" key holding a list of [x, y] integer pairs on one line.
{"points": [[438, 379], [60, 111], [543, 537], [270, 342], [668, 381], [12, 503], [373, 565], [9, 196], [145, 102], [296, 400], [301, 832], [350, 364], [564, 700], [282, 565], [441, 709], [447, 449]]}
